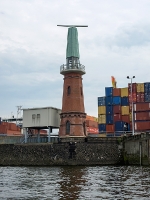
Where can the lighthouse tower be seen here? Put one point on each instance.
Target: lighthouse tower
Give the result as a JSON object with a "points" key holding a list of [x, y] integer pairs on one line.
{"points": [[73, 116]]}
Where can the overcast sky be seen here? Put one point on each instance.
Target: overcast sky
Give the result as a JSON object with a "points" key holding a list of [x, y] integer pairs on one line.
{"points": [[32, 48]]}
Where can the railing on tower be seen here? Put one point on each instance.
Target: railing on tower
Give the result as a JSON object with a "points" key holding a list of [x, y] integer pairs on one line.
{"points": [[74, 68]]}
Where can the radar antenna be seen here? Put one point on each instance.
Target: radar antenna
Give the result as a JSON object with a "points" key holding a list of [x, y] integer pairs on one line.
{"points": [[73, 25]]}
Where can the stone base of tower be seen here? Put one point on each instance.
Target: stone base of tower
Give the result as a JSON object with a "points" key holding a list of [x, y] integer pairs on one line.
{"points": [[73, 124]]}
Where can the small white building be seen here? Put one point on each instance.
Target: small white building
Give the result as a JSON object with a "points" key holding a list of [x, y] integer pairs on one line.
{"points": [[41, 118]]}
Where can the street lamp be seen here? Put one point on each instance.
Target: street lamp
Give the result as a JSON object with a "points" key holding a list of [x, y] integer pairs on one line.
{"points": [[132, 104]]}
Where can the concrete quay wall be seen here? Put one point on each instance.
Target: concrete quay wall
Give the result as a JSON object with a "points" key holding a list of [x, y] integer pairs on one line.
{"points": [[89, 151], [136, 150]]}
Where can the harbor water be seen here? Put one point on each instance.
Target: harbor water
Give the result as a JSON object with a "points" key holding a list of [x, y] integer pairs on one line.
{"points": [[75, 182]]}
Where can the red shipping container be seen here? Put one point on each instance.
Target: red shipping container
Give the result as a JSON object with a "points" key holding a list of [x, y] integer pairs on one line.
{"points": [[134, 88], [91, 123], [142, 125], [92, 130], [142, 115], [132, 98], [117, 109], [109, 128], [140, 97], [142, 107], [116, 92], [3, 129], [117, 117], [125, 118]]}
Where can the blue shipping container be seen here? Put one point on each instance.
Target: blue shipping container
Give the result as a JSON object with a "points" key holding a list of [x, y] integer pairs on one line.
{"points": [[109, 119], [109, 101], [147, 97], [147, 87], [119, 126], [108, 91], [124, 101], [109, 110], [102, 127], [116, 100], [101, 101]]}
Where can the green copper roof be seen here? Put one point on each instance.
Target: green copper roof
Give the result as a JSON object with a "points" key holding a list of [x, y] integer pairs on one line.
{"points": [[72, 43]]}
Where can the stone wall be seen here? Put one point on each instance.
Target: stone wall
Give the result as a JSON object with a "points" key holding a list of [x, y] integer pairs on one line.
{"points": [[92, 151]]}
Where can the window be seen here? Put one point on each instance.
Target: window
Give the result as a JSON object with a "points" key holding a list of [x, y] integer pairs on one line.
{"points": [[67, 127], [33, 116], [38, 115], [69, 90]]}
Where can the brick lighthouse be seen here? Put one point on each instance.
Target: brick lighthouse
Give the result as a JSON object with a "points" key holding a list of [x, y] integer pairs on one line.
{"points": [[73, 116]]}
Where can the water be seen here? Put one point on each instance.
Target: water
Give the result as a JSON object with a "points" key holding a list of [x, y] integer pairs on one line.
{"points": [[66, 183]]}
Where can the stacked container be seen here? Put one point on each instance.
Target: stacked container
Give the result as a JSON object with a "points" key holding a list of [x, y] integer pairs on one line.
{"points": [[92, 124], [115, 109], [102, 114]]}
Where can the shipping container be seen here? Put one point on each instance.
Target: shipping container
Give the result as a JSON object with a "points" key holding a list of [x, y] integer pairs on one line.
{"points": [[109, 119], [3, 129], [116, 117], [124, 92], [142, 115], [110, 128], [116, 92], [125, 118], [134, 88], [147, 97], [124, 101], [102, 119], [102, 127], [140, 97], [132, 98], [125, 110], [120, 126], [116, 100], [142, 126], [141, 106], [91, 123], [101, 101], [109, 101], [147, 87], [140, 87], [108, 91], [109, 110], [117, 109], [102, 110], [92, 130]]}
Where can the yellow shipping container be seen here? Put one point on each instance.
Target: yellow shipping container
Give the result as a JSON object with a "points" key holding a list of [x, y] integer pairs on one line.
{"points": [[102, 119], [96, 119], [124, 92], [140, 87], [125, 110], [102, 110]]}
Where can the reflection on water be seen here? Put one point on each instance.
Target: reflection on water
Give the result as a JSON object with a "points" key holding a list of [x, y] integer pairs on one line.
{"points": [[64, 183]]}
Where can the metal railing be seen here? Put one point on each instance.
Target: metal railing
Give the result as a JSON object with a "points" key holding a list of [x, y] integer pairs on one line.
{"points": [[75, 67]]}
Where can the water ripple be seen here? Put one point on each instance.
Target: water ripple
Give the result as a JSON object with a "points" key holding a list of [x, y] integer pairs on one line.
{"points": [[83, 183]]}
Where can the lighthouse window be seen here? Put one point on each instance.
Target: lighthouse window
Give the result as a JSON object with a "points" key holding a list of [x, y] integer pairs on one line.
{"points": [[67, 127], [69, 90]]}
